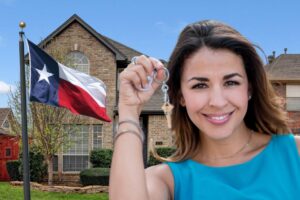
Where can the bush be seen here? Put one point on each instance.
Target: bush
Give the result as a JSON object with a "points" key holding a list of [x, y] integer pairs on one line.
{"points": [[101, 158], [95, 176], [12, 167], [161, 151], [37, 165]]}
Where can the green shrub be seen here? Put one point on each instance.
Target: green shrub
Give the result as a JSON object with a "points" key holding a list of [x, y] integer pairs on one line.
{"points": [[101, 158], [37, 165], [95, 176], [12, 167], [161, 151]]}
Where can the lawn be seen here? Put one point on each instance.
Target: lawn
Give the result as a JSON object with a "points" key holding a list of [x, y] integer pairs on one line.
{"points": [[8, 192]]}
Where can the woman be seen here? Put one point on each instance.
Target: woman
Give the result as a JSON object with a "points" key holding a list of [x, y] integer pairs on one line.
{"points": [[231, 135]]}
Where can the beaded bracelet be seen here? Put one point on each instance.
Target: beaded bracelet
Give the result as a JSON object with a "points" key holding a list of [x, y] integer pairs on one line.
{"points": [[121, 132]]}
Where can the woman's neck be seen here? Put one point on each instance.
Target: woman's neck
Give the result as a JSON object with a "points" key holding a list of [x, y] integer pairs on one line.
{"points": [[226, 148]]}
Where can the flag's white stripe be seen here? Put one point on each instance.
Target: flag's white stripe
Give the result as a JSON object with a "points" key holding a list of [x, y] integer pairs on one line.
{"points": [[92, 85]]}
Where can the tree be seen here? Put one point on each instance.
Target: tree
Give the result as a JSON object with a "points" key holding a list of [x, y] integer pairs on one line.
{"points": [[51, 127], [48, 126]]}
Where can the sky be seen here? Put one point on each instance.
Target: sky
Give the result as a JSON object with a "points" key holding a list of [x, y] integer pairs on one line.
{"points": [[151, 27]]}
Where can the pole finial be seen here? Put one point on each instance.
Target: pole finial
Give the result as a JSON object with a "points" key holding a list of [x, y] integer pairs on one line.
{"points": [[22, 25]]}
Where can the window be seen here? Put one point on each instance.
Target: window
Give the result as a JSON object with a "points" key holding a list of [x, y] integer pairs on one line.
{"points": [[5, 124], [76, 151], [97, 136], [79, 61], [55, 163], [8, 152], [77, 147], [293, 97]]}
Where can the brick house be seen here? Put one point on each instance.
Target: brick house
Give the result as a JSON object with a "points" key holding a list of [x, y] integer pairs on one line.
{"points": [[284, 73], [104, 58]]}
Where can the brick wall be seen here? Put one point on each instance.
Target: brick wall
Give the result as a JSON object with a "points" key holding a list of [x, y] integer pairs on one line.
{"points": [[102, 65], [294, 123], [159, 132]]}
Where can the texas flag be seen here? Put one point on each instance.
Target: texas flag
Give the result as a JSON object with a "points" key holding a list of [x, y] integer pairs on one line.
{"points": [[55, 84]]}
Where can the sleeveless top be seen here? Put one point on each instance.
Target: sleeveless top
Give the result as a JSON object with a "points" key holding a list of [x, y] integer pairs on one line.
{"points": [[273, 174]]}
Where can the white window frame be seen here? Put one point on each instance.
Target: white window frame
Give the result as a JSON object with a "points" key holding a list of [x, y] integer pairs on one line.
{"points": [[78, 61], [293, 97], [73, 150], [99, 136]]}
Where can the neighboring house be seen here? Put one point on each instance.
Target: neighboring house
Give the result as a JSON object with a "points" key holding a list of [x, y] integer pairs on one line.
{"points": [[9, 144], [284, 73], [104, 58]]}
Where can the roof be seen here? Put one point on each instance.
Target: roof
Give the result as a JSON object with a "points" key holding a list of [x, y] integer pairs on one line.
{"points": [[3, 115], [285, 67], [155, 103], [153, 106], [3, 132], [125, 50], [121, 51]]}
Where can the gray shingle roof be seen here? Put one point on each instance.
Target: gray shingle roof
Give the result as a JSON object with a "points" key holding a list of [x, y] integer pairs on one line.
{"points": [[285, 67], [125, 50]]}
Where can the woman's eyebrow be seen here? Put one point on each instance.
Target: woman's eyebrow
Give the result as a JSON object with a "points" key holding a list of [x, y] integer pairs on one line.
{"points": [[201, 79], [204, 79], [228, 76]]}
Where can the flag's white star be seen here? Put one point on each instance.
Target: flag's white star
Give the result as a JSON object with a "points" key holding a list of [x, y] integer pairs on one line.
{"points": [[44, 75]]}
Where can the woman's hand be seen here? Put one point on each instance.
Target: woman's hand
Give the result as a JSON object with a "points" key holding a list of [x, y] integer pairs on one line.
{"points": [[135, 90]]}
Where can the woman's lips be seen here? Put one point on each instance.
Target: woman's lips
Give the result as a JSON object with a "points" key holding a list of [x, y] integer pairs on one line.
{"points": [[218, 119]]}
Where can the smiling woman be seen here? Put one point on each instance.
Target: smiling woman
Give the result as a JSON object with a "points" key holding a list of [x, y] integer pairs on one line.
{"points": [[227, 122], [215, 93]]}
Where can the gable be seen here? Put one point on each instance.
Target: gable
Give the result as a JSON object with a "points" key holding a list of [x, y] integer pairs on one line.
{"points": [[4, 116], [89, 29]]}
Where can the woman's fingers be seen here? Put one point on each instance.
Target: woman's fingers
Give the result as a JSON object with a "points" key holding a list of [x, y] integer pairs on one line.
{"points": [[162, 74], [143, 71], [156, 63], [146, 63]]}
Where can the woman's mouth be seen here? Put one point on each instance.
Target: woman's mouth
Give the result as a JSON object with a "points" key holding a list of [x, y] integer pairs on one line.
{"points": [[218, 119]]}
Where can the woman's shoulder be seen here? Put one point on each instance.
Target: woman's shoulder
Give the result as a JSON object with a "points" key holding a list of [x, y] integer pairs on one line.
{"points": [[160, 177], [295, 139], [160, 170]]}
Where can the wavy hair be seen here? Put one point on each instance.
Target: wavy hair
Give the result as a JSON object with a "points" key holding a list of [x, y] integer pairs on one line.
{"points": [[265, 113]]}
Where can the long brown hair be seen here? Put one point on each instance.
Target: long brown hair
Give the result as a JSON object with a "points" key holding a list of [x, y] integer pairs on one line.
{"points": [[264, 114]]}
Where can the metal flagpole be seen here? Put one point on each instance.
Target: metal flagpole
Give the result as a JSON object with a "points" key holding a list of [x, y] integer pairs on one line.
{"points": [[26, 174]]}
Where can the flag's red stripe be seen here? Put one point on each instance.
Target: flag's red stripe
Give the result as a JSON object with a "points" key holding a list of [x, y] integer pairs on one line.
{"points": [[79, 101]]}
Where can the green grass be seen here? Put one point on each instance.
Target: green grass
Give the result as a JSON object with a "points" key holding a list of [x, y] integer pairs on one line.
{"points": [[8, 192]]}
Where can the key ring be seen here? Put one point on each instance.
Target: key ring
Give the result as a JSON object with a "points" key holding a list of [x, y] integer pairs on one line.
{"points": [[153, 77]]}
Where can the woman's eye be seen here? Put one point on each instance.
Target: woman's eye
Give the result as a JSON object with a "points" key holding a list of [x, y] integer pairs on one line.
{"points": [[199, 86], [232, 83]]}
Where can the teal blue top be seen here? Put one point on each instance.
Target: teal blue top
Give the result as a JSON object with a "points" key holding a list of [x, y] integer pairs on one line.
{"points": [[273, 174]]}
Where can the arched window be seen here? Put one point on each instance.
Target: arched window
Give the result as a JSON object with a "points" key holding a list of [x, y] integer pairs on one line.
{"points": [[79, 61]]}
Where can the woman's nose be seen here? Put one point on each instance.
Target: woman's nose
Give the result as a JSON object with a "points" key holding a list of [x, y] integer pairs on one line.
{"points": [[217, 98]]}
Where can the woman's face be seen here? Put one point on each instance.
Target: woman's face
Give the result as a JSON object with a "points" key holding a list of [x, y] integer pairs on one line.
{"points": [[215, 91]]}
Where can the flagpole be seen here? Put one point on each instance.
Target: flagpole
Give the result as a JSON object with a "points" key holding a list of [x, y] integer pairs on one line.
{"points": [[26, 174]]}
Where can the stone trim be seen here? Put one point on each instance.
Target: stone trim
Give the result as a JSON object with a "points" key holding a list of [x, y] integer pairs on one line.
{"points": [[64, 189]]}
